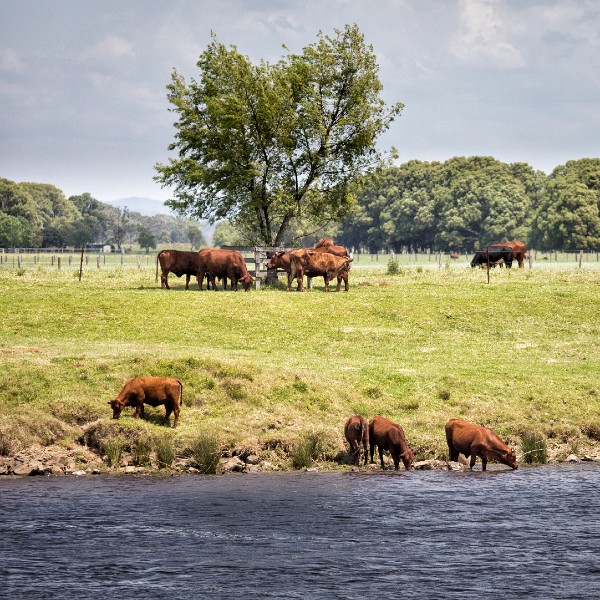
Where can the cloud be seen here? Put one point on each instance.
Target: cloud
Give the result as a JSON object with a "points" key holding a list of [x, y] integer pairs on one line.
{"points": [[10, 62], [111, 48], [482, 39]]}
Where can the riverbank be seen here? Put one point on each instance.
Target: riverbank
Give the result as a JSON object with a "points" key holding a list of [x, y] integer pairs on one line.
{"points": [[267, 373]]}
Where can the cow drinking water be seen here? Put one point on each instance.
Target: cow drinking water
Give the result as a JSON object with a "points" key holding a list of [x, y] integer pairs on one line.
{"points": [[476, 441], [387, 435], [356, 431]]}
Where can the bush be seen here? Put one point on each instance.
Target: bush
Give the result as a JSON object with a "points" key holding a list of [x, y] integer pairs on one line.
{"points": [[534, 448], [307, 451], [205, 452], [393, 266], [165, 450]]}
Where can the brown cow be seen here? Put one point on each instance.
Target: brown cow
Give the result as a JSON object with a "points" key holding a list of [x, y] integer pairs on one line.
{"points": [[474, 440], [356, 431], [153, 391], [311, 262], [387, 435], [178, 262], [323, 242], [223, 263], [519, 251]]}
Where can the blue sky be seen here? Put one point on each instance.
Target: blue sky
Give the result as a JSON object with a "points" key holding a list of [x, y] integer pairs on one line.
{"points": [[83, 83]]}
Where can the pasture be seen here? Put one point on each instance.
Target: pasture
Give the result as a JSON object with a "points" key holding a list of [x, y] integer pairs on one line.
{"points": [[265, 368]]}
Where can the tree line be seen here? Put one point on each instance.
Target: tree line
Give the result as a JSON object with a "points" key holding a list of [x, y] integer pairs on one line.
{"points": [[39, 215]]}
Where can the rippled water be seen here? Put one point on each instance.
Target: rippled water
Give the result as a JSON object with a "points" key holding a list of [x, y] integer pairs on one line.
{"points": [[533, 533]]}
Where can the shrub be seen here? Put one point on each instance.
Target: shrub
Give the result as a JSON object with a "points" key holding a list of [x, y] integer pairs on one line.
{"points": [[6, 444], [307, 451], [165, 450], [393, 266], [534, 448], [205, 452]]}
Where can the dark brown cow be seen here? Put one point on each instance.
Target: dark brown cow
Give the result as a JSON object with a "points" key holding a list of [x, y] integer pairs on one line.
{"points": [[223, 263], [387, 435], [519, 251], [178, 262], [153, 391], [356, 431], [474, 440], [313, 263]]}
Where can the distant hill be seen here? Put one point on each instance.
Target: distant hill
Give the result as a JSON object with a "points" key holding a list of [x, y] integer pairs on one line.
{"points": [[145, 206]]}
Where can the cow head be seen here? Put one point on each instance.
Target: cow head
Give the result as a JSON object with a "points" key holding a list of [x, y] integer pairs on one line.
{"points": [[509, 457], [275, 261], [408, 458], [246, 281], [117, 406]]}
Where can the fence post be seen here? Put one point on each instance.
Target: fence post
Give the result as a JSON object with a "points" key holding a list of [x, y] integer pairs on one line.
{"points": [[19, 261], [58, 261], [81, 263], [257, 268], [580, 257], [138, 262], [98, 261]]}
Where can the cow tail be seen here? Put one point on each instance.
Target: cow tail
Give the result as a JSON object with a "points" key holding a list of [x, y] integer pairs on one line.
{"points": [[180, 393], [156, 278]]}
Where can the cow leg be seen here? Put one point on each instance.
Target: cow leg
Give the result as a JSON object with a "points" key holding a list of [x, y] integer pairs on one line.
{"points": [[187, 281], [473, 460], [381, 456], [164, 280], [365, 451], [200, 277], [396, 458], [139, 408], [372, 450], [168, 411], [175, 416]]}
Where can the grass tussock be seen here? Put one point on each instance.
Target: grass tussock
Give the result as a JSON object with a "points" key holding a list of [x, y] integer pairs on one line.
{"points": [[205, 452], [534, 448], [307, 450], [164, 449]]}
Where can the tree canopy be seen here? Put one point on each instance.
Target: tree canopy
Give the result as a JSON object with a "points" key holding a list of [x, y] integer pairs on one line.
{"points": [[265, 145]]}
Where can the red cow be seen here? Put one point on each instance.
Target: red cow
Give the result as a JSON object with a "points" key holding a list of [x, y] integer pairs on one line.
{"points": [[519, 251], [313, 263], [178, 262], [387, 435], [474, 440], [223, 263], [153, 391], [356, 431]]}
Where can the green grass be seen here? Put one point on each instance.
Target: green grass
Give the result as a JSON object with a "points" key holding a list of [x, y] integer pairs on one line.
{"points": [[260, 367]]}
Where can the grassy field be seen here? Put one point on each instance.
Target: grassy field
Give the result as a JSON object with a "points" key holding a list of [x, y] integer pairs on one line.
{"points": [[266, 368]]}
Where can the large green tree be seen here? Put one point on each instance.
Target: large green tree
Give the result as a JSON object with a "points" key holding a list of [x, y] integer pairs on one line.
{"points": [[264, 145]]}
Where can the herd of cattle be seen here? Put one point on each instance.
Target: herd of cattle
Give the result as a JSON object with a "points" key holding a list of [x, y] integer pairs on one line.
{"points": [[324, 260], [462, 437]]}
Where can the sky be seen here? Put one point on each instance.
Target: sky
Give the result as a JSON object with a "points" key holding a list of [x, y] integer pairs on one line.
{"points": [[83, 99]]}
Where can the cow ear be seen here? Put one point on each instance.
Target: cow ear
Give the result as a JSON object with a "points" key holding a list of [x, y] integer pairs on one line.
{"points": [[110, 401]]}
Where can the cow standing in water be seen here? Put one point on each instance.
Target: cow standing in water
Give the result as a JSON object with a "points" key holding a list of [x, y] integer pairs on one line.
{"points": [[356, 431], [476, 441], [387, 435], [153, 391]]}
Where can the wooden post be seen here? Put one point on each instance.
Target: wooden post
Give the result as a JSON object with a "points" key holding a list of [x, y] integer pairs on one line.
{"points": [[98, 261], [58, 263], [488, 263], [257, 268], [19, 261], [81, 263], [580, 257], [138, 262]]}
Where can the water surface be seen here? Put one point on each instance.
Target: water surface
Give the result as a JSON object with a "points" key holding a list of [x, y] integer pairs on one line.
{"points": [[533, 533]]}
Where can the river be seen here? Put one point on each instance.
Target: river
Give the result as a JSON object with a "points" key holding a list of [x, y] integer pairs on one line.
{"points": [[531, 533]]}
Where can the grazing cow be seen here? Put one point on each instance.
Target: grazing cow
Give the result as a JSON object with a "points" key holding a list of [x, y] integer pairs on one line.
{"points": [[387, 435], [178, 262], [519, 251], [454, 255], [493, 254], [356, 431], [311, 262], [153, 391], [331, 249], [474, 440], [223, 263], [324, 242]]}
